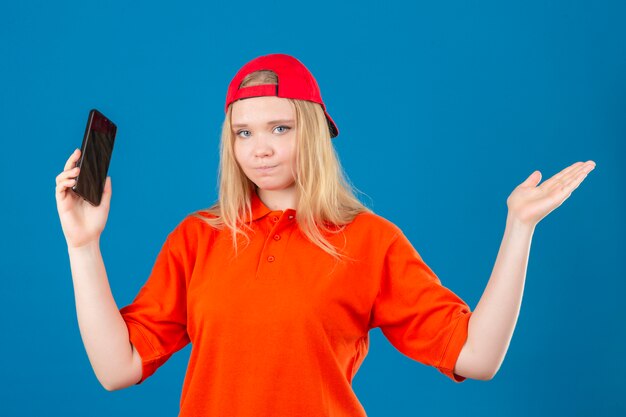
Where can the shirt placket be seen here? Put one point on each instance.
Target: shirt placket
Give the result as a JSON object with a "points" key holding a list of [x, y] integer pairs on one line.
{"points": [[274, 250]]}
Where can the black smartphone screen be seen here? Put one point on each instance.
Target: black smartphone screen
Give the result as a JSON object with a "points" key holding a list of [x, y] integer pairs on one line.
{"points": [[95, 157]]}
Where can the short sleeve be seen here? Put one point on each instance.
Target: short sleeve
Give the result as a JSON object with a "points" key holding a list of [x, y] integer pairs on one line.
{"points": [[157, 317], [418, 315]]}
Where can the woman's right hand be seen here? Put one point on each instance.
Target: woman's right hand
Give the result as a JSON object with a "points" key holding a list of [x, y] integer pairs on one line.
{"points": [[82, 223]]}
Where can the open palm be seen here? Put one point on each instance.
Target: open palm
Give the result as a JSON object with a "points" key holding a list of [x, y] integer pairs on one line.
{"points": [[530, 203]]}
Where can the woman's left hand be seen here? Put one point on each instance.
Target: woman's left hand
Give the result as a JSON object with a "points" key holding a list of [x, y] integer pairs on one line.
{"points": [[529, 203]]}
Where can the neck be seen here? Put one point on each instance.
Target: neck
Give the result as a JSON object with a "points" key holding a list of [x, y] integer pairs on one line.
{"points": [[277, 200]]}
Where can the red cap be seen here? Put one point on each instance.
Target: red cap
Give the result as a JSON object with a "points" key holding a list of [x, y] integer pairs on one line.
{"points": [[294, 81]]}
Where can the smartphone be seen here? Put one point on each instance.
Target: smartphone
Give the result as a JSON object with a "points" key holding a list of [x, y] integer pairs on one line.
{"points": [[95, 157]]}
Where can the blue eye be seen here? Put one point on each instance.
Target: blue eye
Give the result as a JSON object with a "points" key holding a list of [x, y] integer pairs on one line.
{"points": [[285, 127]]}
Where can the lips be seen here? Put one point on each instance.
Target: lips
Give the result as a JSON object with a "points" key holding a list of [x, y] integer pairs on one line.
{"points": [[266, 167]]}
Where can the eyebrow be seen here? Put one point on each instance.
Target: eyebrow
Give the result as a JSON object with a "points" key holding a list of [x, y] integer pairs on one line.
{"points": [[268, 123]]}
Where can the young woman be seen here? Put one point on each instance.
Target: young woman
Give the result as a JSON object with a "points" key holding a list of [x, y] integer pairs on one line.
{"points": [[278, 284]]}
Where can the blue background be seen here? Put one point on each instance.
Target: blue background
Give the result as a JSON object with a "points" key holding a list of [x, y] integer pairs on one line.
{"points": [[443, 110]]}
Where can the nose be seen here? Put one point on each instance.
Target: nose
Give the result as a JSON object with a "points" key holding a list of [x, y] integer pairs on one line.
{"points": [[262, 147]]}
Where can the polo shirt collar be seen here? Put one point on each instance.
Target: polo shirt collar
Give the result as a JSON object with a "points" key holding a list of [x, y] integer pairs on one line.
{"points": [[259, 209]]}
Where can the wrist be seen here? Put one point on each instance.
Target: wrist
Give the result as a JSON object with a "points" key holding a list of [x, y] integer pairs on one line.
{"points": [[518, 223], [89, 247]]}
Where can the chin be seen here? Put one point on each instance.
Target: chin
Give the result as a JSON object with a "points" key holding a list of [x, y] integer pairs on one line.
{"points": [[272, 185]]}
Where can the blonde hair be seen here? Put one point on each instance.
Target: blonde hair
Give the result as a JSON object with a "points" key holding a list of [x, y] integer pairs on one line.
{"points": [[325, 199]]}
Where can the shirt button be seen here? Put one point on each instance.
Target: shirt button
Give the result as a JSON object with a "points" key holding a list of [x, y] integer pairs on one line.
{"points": [[270, 258], [291, 217], [275, 219], [276, 237]]}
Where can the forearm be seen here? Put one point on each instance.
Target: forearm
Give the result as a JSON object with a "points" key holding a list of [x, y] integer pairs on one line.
{"points": [[101, 325], [493, 320]]}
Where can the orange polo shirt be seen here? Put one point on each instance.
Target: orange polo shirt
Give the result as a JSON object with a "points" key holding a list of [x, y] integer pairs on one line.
{"points": [[281, 329]]}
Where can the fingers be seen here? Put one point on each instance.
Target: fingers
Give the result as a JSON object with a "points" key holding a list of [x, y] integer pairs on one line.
{"points": [[549, 183], [573, 180], [574, 174], [67, 178], [62, 185], [71, 161], [64, 176], [106, 193], [564, 187], [107, 187], [533, 179], [70, 168], [560, 180]]}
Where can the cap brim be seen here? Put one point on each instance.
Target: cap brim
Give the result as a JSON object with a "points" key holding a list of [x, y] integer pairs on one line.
{"points": [[334, 132]]}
